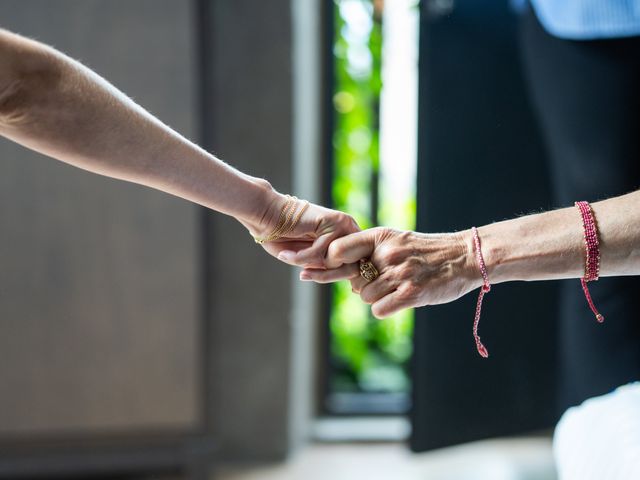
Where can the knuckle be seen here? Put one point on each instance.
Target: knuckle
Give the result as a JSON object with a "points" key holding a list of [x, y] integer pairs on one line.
{"points": [[405, 235], [336, 250], [350, 223], [343, 221], [384, 233], [392, 255]]}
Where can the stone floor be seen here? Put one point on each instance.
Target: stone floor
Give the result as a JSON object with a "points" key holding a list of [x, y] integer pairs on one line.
{"points": [[503, 459]]}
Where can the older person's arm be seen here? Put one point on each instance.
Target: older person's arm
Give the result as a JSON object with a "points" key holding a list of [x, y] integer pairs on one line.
{"points": [[426, 269], [56, 106]]}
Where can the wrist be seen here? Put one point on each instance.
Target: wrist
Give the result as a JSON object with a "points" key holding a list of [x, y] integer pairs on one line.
{"points": [[507, 255], [268, 205], [495, 254], [545, 246], [471, 266]]}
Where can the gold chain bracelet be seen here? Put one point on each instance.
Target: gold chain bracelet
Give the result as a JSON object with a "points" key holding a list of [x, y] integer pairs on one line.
{"points": [[296, 220], [285, 217], [287, 221]]}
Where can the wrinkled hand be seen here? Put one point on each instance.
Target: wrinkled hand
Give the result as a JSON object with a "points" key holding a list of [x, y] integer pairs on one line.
{"points": [[307, 244], [415, 269]]}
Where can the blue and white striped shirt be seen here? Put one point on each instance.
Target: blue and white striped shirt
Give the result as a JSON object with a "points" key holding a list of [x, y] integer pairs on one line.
{"points": [[587, 19]]}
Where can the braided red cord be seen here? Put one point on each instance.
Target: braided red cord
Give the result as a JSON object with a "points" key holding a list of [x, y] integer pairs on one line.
{"points": [[486, 288], [592, 259]]}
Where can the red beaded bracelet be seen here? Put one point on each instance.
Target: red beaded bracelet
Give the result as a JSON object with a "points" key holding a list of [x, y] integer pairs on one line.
{"points": [[486, 288], [591, 270], [592, 259]]}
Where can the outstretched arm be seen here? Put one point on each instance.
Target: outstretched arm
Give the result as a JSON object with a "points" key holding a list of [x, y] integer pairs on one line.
{"points": [[426, 269], [56, 106]]}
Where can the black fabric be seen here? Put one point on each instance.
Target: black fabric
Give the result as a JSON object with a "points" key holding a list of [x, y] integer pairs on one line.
{"points": [[479, 162], [586, 95]]}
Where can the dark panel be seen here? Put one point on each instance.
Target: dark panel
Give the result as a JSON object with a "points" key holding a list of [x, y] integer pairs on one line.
{"points": [[250, 299], [98, 291], [480, 160]]}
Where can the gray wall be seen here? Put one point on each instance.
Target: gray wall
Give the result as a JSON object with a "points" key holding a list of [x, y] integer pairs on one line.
{"points": [[98, 279], [100, 312]]}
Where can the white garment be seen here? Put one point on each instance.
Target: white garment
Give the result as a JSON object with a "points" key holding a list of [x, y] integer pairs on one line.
{"points": [[600, 439]]}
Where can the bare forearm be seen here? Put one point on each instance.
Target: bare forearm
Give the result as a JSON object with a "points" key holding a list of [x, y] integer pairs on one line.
{"points": [[60, 108], [550, 245]]}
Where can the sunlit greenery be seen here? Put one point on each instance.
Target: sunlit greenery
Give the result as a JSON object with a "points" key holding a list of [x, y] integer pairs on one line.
{"points": [[367, 354]]}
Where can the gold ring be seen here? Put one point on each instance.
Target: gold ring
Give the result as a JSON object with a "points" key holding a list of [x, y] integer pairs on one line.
{"points": [[368, 271]]}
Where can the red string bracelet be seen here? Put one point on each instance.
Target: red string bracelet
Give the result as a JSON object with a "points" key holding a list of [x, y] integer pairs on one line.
{"points": [[592, 260], [486, 288]]}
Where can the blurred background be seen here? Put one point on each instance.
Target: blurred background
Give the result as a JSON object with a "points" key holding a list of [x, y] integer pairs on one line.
{"points": [[144, 337]]}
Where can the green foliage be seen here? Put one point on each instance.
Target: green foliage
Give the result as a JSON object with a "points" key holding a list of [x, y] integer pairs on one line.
{"points": [[368, 354]]}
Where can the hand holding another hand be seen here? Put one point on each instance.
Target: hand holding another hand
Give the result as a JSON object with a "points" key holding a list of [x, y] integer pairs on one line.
{"points": [[314, 228], [415, 269]]}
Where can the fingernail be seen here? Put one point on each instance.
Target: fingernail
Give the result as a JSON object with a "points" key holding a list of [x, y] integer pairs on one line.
{"points": [[285, 256]]}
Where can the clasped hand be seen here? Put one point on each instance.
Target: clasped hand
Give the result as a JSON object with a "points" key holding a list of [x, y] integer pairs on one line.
{"points": [[415, 269]]}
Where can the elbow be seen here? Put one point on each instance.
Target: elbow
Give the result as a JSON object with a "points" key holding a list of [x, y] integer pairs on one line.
{"points": [[13, 102], [24, 88]]}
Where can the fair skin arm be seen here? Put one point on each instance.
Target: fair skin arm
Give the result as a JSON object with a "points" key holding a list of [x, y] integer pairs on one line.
{"points": [[58, 107], [419, 269]]}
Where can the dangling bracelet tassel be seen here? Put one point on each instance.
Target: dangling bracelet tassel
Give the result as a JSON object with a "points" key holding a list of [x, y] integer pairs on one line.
{"points": [[592, 259], [486, 288]]}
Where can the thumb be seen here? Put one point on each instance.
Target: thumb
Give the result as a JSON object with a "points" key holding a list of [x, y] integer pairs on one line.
{"points": [[350, 248]]}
